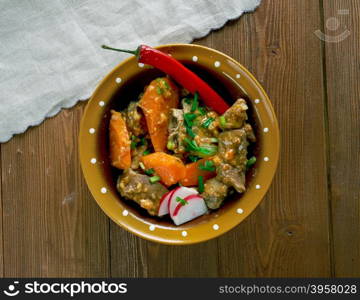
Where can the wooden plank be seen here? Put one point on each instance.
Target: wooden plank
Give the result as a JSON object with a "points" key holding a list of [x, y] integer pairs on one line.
{"points": [[288, 233], [343, 94], [128, 254], [52, 226], [134, 257], [199, 260]]}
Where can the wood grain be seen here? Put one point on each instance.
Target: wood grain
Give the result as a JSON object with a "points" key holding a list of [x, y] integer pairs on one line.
{"points": [[128, 254], [52, 226], [134, 257], [288, 234], [291, 225], [343, 94], [307, 225]]}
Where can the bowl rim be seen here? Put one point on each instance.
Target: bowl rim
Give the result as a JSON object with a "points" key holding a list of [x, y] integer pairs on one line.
{"points": [[185, 240]]}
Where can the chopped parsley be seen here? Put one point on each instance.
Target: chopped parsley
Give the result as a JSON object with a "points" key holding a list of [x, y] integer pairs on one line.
{"points": [[190, 132], [222, 121], [154, 179], [170, 145], [189, 118], [204, 150], [133, 145], [207, 122], [159, 90], [181, 200], [202, 110], [207, 166], [149, 171], [250, 162], [193, 158], [201, 184], [195, 102], [146, 152], [165, 84], [143, 141]]}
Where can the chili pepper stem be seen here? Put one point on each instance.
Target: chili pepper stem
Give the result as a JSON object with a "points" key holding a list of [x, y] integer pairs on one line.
{"points": [[134, 52]]}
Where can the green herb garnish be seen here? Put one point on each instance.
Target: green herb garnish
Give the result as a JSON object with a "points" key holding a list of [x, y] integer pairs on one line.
{"points": [[190, 132], [201, 184], [146, 152], [133, 145], [250, 162], [170, 145], [149, 171], [214, 140], [195, 102], [193, 158], [203, 151], [222, 121], [207, 122], [189, 118], [165, 84], [207, 166], [191, 145], [143, 141], [159, 90], [154, 179], [202, 110], [181, 200], [187, 100]]}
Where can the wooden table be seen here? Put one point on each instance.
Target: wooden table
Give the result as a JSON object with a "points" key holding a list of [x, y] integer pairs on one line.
{"points": [[309, 222]]}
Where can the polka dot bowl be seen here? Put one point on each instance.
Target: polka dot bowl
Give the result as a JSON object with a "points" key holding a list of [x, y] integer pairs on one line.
{"points": [[123, 84]]}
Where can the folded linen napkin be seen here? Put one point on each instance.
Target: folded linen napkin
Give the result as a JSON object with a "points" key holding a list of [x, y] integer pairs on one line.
{"points": [[50, 55]]}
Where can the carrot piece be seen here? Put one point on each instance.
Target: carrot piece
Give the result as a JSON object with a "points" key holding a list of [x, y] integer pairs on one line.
{"points": [[168, 167], [159, 98], [120, 155], [192, 173]]}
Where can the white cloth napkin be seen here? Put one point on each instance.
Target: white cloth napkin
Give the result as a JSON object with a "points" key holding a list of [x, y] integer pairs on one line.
{"points": [[50, 55]]}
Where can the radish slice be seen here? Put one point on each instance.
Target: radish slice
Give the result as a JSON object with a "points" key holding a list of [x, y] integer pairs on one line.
{"points": [[164, 203], [194, 208], [181, 192]]}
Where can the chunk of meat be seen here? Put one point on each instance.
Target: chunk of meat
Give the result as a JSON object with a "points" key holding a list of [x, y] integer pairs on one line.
{"points": [[136, 155], [231, 176], [137, 187], [214, 193], [177, 131], [236, 115], [233, 147], [159, 98], [206, 127], [120, 155], [135, 120], [232, 157]]}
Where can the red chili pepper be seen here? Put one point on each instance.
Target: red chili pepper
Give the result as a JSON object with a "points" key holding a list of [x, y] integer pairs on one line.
{"points": [[179, 73]]}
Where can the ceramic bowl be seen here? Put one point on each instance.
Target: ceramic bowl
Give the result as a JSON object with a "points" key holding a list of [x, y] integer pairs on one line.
{"points": [[123, 84]]}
